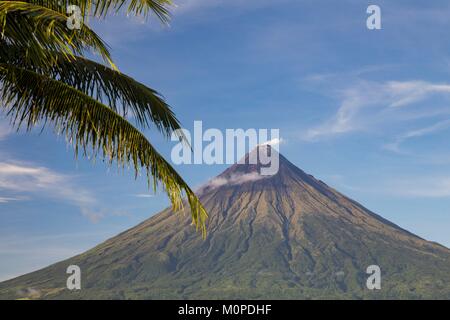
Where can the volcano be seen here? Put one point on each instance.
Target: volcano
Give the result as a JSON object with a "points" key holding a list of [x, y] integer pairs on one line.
{"points": [[285, 236]]}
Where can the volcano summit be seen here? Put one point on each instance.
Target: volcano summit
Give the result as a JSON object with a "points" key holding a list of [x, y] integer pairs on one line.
{"points": [[283, 236]]}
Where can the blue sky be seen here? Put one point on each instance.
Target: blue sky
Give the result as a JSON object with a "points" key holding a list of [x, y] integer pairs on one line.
{"points": [[366, 111]]}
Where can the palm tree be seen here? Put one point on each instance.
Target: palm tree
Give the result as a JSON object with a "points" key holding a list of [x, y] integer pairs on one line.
{"points": [[45, 77]]}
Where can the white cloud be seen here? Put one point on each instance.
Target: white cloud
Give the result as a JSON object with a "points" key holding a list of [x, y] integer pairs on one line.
{"points": [[144, 195], [353, 99], [19, 177], [439, 126], [186, 6], [411, 186], [233, 180], [343, 121], [273, 142], [436, 187], [22, 179], [366, 104], [11, 199], [408, 92]]}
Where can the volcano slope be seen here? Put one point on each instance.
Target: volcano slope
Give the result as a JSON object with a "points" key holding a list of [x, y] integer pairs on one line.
{"points": [[286, 236]]}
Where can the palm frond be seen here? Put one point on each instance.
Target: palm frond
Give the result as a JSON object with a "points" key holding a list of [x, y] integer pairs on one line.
{"points": [[101, 8], [119, 91], [39, 30], [111, 87], [31, 98]]}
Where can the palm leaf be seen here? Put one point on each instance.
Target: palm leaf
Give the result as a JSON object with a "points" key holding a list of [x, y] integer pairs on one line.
{"points": [[121, 92], [30, 98], [101, 8], [39, 30]]}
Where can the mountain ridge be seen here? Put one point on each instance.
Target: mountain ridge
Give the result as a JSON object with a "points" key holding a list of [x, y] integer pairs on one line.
{"points": [[283, 236]]}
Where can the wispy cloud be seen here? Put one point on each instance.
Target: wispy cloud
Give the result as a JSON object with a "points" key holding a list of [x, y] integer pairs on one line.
{"points": [[428, 187], [11, 199], [28, 179], [234, 179], [365, 104], [437, 127], [408, 92], [186, 6], [413, 186], [144, 195], [273, 142]]}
